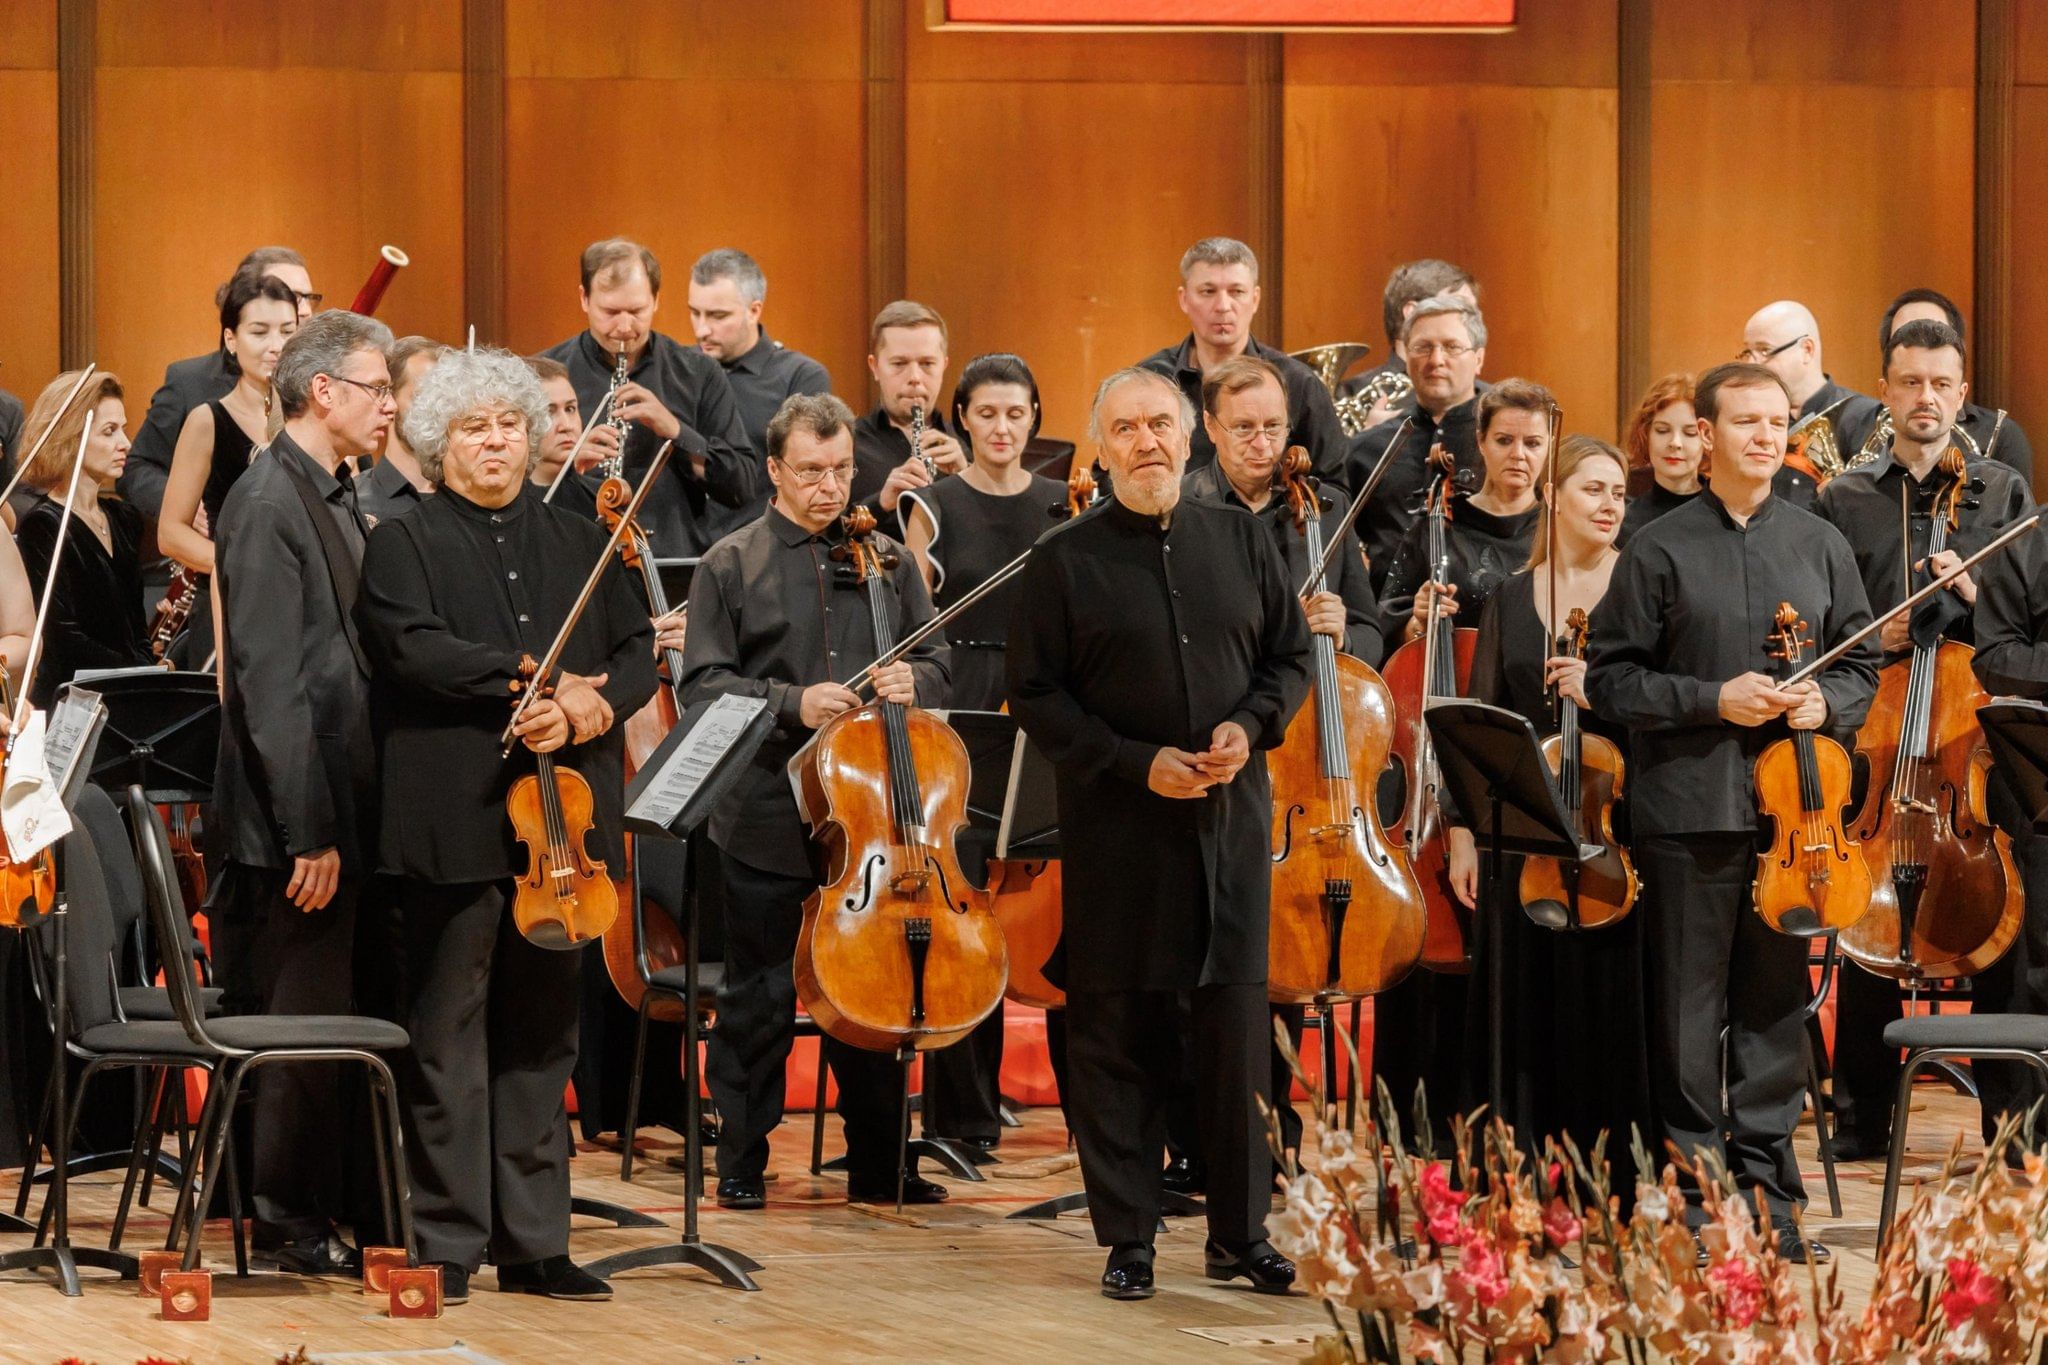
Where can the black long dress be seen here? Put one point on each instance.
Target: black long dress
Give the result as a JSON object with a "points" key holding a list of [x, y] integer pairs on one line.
{"points": [[231, 453], [1573, 1059], [96, 610]]}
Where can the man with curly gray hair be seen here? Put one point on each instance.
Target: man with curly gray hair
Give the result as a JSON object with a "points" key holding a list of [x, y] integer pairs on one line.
{"points": [[458, 595]]}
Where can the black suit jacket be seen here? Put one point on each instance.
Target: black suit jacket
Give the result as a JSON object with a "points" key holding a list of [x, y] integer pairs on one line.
{"points": [[297, 770], [187, 385]]}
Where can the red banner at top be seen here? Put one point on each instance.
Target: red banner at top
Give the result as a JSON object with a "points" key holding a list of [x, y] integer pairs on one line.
{"points": [[1262, 14]]}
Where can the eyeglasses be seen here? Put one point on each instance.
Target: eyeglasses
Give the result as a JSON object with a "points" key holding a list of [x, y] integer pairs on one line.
{"points": [[1751, 356], [378, 392], [810, 476], [308, 301], [1244, 433], [1449, 350]]}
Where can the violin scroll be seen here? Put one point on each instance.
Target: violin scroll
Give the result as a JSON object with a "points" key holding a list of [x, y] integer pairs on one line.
{"points": [[1081, 489]]}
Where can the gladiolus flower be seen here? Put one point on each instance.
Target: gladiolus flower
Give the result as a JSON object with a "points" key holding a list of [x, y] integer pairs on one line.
{"points": [[1560, 1225], [1441, 1206], [1482, 1272], [1740, 1290], [1970, 1290]]}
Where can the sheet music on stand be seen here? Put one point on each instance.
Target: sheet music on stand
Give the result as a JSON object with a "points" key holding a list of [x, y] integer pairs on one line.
{"points": [[92, 675], [1030, 824], [695, 764], [76, 723]]}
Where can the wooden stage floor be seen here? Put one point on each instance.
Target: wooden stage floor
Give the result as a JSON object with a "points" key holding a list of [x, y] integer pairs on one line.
{"points": [[839, 1283]]}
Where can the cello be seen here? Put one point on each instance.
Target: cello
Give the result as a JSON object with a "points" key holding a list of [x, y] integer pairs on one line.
{"points": [[1811, 879], [1946, 899], [1565, 893], [1439, 664], [898, 950], [1347, 911], [1027, 894]]}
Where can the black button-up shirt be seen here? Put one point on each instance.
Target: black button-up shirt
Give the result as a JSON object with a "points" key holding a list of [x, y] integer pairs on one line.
{"points": [[1693, 601], [771, 613], [1397, 501], [454, 595], [383, 492], [1311, 418], [2011, 620], [1650, 504], [1866, 505], [761, 379], [879, 445], [1346, 576], [677, 516]]}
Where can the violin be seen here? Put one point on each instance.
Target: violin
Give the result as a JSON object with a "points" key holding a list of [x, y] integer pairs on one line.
{"points": [[651, 935], [1946, 899], [27, 889], [898, 950], [1565, 893], [1348, 913], [1439, 664], [1812, 878], [564, 899]]}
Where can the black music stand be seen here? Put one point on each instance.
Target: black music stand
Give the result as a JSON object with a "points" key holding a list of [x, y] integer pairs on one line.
{"points": [[1030, 829], [162, 734], [1495, 771], [692, 770]]}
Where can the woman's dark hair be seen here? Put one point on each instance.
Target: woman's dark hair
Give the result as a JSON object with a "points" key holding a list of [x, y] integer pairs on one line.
{"points": [[997, 367], [244, 289]]}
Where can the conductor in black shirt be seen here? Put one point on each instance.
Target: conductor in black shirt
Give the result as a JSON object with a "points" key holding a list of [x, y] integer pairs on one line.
{"points": [[1156, 650], [1678, 658], [672, 392], [457, 594]]}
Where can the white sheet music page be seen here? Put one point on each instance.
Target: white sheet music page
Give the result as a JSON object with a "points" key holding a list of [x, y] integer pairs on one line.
{"points": [[679, 778]]}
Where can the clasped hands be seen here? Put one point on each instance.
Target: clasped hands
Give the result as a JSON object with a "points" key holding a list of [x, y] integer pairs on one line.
{"points": [[1756, 698], [577, 711], [1182, 775]]}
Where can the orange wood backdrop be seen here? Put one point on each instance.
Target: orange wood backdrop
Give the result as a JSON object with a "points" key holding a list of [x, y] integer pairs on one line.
{"points": [[1823, 151]]}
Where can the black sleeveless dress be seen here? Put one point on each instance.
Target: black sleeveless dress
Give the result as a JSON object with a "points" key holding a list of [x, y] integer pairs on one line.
{"points": [[1573, 1057], [977, 533], [231, 451]]}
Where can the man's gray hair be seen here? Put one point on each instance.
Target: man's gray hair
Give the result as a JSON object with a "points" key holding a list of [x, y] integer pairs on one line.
{"points": [[1438, 304], [463, 382], [1131, 375], [322, 345], [1218, 251], [729, 264]]}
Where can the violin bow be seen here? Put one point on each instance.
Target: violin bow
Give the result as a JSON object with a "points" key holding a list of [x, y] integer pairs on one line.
{"points": [[1550, 549], [604, 560], [570, 463], [21, 465], [1364, 495], [938, 622], [35, 639], [2006, 537]]}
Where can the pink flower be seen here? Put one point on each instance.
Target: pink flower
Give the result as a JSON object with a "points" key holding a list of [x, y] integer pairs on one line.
{"points": [[1970, 1290], [1560, 1225], [1482, 1272], [1740, 1289], [1441, 1206]]}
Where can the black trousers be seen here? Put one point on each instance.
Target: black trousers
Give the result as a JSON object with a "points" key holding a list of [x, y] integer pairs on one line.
{"points": [[275, 958], [749, 1049], [1713, 962], [1123, 1060], [1418, 1040], [1183, 1128], [963, 1084], [493, 1024], [2017, 984]]}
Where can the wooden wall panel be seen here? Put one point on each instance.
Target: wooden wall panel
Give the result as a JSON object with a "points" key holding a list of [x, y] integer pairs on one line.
{"points": [[2026, 392], [225, 125], [28, 207], [720, 126], [1049, 219]]}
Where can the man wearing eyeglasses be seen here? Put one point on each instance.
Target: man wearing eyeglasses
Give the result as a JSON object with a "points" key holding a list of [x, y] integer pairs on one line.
{"points": [[1219, 292], [1784, 338], [1444, 337], [772, 617], [197, 381]]}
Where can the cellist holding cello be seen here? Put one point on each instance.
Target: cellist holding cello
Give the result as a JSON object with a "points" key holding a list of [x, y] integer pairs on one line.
{"points": [[459, 597]]}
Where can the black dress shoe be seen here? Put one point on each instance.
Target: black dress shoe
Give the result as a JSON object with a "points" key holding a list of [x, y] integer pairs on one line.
{"points": [[1183, 1176], [1795, 1248], [557, 1277], [322, 1254], [454, 1282], [1129, 1272], [1859, 1147], [882, 1190], [737, 1192], [1267, 1269]]}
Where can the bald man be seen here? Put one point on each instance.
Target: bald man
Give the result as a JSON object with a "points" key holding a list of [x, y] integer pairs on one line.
{"points": [[1784, 338]]}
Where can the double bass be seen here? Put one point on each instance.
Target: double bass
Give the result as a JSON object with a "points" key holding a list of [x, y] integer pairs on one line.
{"points": [[1439, 664], [1566, 893], [1347, 911], [898, 951], [1811, 878], [1946, 899]]}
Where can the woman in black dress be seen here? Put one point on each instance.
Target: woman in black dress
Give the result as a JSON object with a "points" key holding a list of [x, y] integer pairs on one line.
{"points": [[258, 314], [962, 529], [1664, 453], [1572, 1056], [95, 618]]}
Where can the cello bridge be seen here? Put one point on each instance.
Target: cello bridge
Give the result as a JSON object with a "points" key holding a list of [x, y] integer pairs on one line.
{"points": [[1324, 834], [910, 883]]}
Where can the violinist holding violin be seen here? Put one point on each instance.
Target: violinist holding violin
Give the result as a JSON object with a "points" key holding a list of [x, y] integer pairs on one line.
{"points": [[1679, 659], [460, 597], [1887, 511], [772, 616]]}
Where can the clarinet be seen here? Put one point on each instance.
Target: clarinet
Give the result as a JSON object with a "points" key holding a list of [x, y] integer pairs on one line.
{"points": [[917, 442], [615, 467]]}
